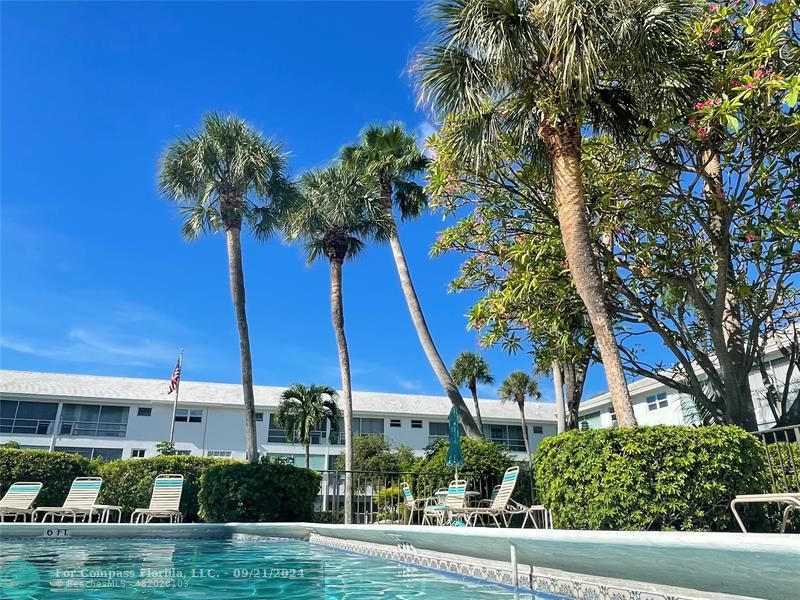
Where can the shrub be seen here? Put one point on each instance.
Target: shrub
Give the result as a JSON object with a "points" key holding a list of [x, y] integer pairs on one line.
{"points": [[261, 492], [129, 483], [374, 453], [648, 477], [481, 458], [55, 470], [784, 460]]}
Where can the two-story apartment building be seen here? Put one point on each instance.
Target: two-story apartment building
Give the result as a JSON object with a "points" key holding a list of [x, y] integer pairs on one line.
{"points": [[117, 417], [656, 404]]}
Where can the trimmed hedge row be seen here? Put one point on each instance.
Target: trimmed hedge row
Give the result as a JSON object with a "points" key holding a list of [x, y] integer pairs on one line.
{"points": [[261, 492], [235, 491], [55, 470], [648, 478], [129, 483]]}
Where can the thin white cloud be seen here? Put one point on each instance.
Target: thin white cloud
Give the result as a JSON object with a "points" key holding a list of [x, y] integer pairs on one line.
{"points": [[423, 131], [410, 385]]}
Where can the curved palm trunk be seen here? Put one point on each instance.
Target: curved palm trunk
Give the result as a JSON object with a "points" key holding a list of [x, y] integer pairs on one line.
{"points": [[524, 429], [337, 315], [564, 146], [236, 275], [424, 334], [473, 387], [561, 417]]}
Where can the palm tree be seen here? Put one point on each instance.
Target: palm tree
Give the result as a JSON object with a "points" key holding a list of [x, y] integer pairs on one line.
{"points": [[470, 369], [304, 409], [334, 217], [541, 73], [518, 387], [392, 159], [225, 175]]}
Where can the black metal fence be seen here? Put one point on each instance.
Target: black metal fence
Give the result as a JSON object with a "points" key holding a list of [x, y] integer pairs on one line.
{"points": [[377, 496], [782, 452]]}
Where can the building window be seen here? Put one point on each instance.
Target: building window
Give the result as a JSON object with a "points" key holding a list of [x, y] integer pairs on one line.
{"points": [[188, 415], [538, 429], [90, 453], [508, 436], [394, 422], [137, 453], [32, 418], [259, 416], [277, 434], [584, 425], [437, 431], [219, 453], [416, 424], [657, 401], [361, 426], [183, 452], [93, 420], [144, 411], [614, 422]]}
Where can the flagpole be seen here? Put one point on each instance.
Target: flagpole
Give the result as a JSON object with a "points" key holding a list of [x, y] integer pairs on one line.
{"points": [[177, 391]]}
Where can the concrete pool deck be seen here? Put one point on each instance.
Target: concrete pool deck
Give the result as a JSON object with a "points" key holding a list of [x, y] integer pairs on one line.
{"points": [[598, 564]]}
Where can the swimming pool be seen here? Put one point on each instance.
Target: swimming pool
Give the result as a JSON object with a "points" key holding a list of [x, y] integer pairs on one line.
{"points": [[228, 569]]}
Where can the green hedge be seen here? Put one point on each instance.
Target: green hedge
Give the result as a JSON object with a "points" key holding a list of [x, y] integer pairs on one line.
{"points": [[648, 478], [55, 470], [129, 483], [261, 492]]}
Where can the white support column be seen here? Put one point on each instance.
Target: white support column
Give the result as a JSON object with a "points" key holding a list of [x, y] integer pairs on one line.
{"points": [[514, 566], [56, 426]]}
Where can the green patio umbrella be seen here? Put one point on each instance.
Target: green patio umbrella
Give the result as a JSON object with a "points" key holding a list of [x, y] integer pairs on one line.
{"points": [[454, 457]]}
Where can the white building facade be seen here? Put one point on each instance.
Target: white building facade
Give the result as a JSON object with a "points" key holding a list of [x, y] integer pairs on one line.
{"points": [[116, 417], [656, 404]]}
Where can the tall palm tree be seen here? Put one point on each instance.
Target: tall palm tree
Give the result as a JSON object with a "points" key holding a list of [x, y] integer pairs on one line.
{"points": [[518, 387], [304, 410], [392, 159], [225, 175], [470, 369], [334, 216], [543, 72]]}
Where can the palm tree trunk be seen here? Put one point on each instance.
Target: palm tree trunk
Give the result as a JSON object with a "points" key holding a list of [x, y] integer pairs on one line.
{"points": [[524, 429], [478, 421], [424, 334], [308, 456], [236, 276], [564, 146], [337, 315], [561, 418]]}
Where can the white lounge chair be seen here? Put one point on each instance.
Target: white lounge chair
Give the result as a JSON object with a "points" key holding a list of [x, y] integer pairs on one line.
{"points": [[791, 500], [79, 503], [501, 505], [165, 501], [413, 505], [442, 513], [18, 499]]}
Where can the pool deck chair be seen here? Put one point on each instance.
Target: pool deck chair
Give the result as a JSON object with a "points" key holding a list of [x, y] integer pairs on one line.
{"points": [[413, 505], [538, 514], [165, 501], [791, 500], [501, 505], [18, 499], [441, 514], [79, 503]]}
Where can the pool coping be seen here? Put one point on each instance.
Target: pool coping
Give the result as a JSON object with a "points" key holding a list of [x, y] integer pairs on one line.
{"points": [[714, 565]]}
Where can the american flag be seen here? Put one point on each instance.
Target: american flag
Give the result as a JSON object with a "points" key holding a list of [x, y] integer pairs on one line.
{"points": [[176, 377]]}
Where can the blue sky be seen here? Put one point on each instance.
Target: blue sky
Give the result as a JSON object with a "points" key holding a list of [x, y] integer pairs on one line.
{"points": [[95, 276]]}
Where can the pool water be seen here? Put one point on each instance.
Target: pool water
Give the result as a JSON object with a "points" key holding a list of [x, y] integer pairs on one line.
{"points": [[223, 569]]}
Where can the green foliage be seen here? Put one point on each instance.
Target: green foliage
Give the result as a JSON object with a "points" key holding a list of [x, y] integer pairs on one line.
{"points": [[470, 369], [55, 470], [129, 483], [648, 478], [305, 409], [263, 492], [165, 448], [784, 460], [375, 454], [481, 457], [12, 444]]}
